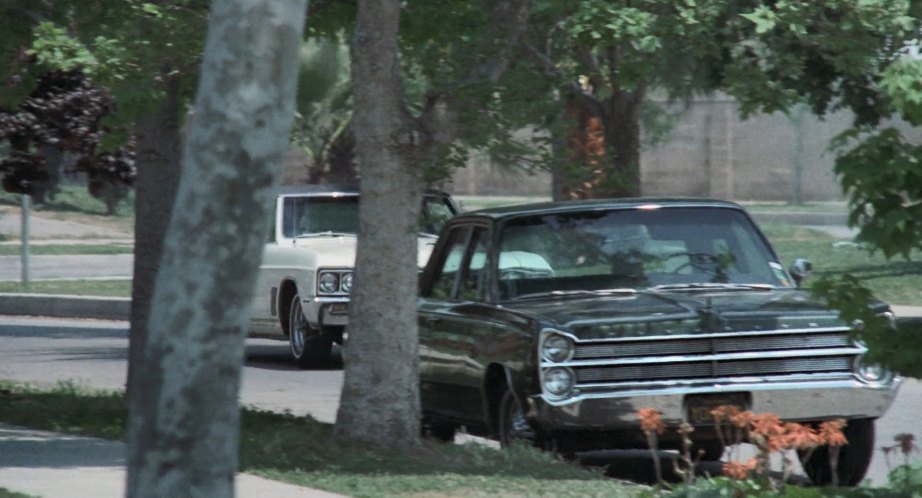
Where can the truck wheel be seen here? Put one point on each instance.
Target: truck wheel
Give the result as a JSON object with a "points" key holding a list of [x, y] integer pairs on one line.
{"points": [[854, 457], [309, 347], [512, 424]]}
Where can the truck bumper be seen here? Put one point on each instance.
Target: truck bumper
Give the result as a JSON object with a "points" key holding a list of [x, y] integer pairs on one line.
{"points": [[326, 311]]}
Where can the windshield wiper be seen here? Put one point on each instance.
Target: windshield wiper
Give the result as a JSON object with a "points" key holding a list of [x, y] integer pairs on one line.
{"points": [[324, 234], [711, 286], [560, 293]]}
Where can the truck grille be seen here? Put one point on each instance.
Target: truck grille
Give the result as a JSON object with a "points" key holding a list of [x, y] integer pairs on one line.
{"points": [[715, 356]]}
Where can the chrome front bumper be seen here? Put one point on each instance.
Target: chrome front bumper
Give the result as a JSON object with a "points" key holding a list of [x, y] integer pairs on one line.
{"points": [[791, 401], [326, 311]]}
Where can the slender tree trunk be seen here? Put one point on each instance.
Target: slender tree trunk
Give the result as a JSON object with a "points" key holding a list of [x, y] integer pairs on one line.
{"points": [[184, 414], [621, 121], [157, 156], [380, 396]]}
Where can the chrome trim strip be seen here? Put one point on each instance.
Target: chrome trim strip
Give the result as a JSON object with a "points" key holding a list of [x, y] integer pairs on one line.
{"points": [[792, 353], [752, 386], [666, 385], [656, 338]]}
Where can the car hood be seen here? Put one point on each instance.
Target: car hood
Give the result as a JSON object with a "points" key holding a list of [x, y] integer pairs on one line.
{"points": [[330, 251], [679, 313], [340, 250]]}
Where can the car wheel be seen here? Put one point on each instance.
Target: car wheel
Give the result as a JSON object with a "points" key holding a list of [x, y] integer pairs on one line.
{"points": [[710, 451], [512, 424], [439, 431], [309, 347], [854, 457]]}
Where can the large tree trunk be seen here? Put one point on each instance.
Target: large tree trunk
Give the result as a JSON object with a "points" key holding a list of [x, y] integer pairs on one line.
{"points": [[380, 396], [157, 160], [184, 415]]}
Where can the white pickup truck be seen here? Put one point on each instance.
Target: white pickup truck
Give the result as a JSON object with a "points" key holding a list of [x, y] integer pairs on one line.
{"points": [[302, 290]]}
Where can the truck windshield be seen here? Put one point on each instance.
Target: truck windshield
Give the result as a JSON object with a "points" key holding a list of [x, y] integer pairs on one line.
{"points": [[670, 247], [307, 215]]}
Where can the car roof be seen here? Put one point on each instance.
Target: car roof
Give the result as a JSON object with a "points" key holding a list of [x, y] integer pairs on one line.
{"points": [[596, 205], [343, 189]]}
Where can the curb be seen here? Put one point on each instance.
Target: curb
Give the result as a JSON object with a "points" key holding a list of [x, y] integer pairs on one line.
{"points": [[63, 306]]}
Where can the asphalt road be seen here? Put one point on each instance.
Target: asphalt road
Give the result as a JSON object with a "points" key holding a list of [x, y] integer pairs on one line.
{"points": [[94, 353], [68, 267]]}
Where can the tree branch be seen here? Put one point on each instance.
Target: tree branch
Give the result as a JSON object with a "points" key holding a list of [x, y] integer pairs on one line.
{"points": [[319, 6], [584, 55], [568, 86], [613, 55]]}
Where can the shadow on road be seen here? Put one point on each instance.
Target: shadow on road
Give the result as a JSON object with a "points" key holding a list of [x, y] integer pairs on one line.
{"points": [[274, 355]]}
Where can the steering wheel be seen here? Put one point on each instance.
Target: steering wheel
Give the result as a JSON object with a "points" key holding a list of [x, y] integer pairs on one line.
{"points": [[696, 260]]}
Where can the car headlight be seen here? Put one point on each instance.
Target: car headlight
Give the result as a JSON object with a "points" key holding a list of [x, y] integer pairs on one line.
{"points": [[346, 284], [872, 373], [558, 382], [328, 283], [556, 348]]}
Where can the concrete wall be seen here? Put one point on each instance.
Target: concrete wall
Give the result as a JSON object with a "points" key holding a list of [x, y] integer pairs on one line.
{"points": [[710, 152]]}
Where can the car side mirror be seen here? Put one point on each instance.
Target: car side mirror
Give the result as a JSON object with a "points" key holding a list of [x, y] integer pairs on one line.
{"points": [[800, 269]]}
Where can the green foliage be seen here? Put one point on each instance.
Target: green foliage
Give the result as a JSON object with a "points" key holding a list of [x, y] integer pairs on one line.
{"points": [[825, 53], [324, 108], [886, 199], [890, 344], [901, 81], [54, 49]]}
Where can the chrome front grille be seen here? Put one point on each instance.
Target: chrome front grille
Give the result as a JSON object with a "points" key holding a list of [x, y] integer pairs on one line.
{"points": [[715, 357], [710, 344]]}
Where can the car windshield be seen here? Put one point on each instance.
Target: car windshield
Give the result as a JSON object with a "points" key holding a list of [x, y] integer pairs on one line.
{"points": [[665, 248], [309, 215]]}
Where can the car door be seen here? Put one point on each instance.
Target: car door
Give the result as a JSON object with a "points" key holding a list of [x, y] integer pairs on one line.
{"points": [[455, 326]]}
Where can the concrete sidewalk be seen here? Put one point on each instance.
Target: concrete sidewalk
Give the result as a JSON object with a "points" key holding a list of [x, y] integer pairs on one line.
{"points": [[52, 465]]}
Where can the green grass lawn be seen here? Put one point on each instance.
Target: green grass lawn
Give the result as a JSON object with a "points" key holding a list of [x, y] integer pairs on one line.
{"points": [[300, 450], [60, 249], [105, 288], [74, 203], [896, 281], [5, 493]]}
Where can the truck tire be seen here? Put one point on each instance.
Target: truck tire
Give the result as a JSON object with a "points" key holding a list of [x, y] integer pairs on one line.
{"points": [[309, 347]]}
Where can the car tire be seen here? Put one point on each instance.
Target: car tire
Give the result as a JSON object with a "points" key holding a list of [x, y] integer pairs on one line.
{"points": [[309, 346], [512, 424], [442, 432], [854, 457], [710, 451]]}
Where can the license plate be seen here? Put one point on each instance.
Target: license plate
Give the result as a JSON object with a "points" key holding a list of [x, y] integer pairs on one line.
{"points": [[698, 406]]}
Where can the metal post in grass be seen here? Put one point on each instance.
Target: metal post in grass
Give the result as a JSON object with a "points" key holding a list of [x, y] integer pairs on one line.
{"points": [[24, 238]]}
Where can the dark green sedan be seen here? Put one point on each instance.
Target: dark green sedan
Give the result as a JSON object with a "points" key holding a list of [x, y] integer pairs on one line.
{"points": [[554, 323]]}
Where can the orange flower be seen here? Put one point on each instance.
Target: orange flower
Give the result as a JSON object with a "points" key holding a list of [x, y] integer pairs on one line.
{"points": [[768, 425], [800, 436], [650, 420], [830, 433], [741, 419], [719, 413], [739, 470]]}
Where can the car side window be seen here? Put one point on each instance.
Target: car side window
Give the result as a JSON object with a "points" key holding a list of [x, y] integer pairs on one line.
{"points": [[435, 213], [474, 284], [443, 285]]}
